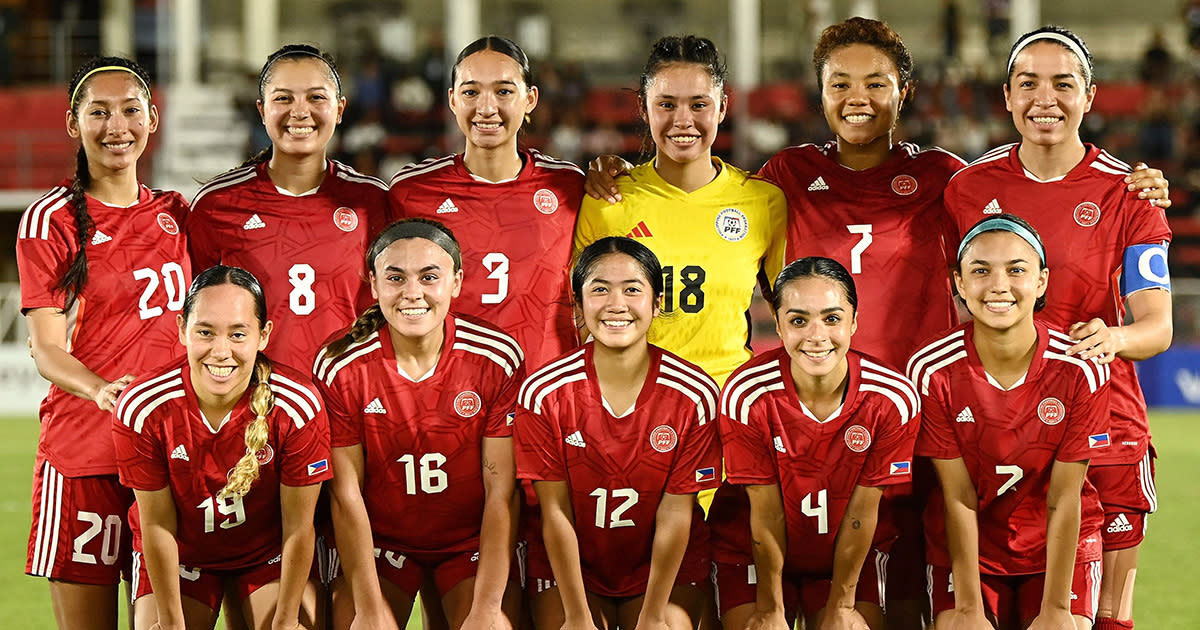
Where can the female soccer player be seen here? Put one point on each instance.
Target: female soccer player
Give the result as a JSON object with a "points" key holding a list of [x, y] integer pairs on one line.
{"points": [[295, 219], [814, 431], [1111, 258], [617, 438], [421, 402], [1010, 419], [224, 451], [103, 266], [514, 210], [712, 225]]}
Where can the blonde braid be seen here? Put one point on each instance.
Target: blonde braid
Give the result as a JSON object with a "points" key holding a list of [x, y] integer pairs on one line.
{"points": [[262, 401], [370, 321]]}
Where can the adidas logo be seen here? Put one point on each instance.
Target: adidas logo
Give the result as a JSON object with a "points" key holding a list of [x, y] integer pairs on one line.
{"points": [[965, 415], [254, 223], [180, 453], [447, 207], [779, 444], [576, 439], [374, 407], [100, 237], [992, 207], [1119, 525], [818, 184], [639, 230]]}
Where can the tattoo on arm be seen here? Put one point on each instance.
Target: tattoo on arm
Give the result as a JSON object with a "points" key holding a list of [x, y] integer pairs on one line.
{"points": [[856, 524], [490, 467]]}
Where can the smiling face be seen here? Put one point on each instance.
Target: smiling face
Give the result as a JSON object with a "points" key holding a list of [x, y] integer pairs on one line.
{"points": [[861, 94], [1000, 278], [683, 109], [1048, 94], [223, 337], [414, 280], [617, 301], [300, 106], [490, 99], [815, 321], [113, 120]]}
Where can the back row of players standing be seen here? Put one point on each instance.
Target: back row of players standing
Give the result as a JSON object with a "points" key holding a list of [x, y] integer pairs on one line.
{"points": [[248, 218]]}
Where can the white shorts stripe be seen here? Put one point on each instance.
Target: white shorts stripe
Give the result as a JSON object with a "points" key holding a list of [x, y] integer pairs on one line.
{"points": [[136, 578], [1096, 568], [881, 562], [1147, 479], [43, 515]]}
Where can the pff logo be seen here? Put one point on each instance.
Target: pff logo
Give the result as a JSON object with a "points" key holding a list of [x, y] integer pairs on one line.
{"points": [[663, 438], [467, 404], [858, 439], [1051, 411]]}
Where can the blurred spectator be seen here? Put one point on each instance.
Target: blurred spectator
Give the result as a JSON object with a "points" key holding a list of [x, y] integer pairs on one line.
{"points": [[951, 30], [996, 19], [566, 139], [1156, 61]]}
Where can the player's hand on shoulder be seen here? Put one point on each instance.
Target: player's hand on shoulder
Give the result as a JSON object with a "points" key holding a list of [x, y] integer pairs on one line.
{"points": [[1095, 340], [838, 618], [106, 397], [1150, 181], [602, 177]]}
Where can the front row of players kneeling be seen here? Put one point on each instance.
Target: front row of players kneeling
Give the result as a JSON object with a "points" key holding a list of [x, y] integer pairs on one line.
{"points": [[424, 419]]}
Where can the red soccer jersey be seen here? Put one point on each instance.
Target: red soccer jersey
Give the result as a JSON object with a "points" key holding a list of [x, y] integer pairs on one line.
{"points": [[307, 250], [887, 226], [163, 441], [1087, 220], [769, 437], [516, 242], [422, 440], [124, 320], [618, 468], [1009, 439]]}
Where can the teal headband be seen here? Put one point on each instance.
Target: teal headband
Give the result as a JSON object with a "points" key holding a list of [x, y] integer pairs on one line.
{"points": [[1004, 225]]}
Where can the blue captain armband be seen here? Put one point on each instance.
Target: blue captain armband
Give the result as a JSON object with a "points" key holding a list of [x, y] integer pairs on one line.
{"points": [[1145, 268]]}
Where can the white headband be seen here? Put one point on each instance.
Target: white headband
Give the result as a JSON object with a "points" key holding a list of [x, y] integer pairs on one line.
{"points": [[1058, 37]]}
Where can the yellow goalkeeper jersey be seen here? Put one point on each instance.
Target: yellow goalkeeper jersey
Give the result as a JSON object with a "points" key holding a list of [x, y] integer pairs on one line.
{"points": [[711, 243]]}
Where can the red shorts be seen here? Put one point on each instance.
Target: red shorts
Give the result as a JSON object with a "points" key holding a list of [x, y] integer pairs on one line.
{"points": [[208, 587], [736, 584], [80, 531], [1128, 496], [1021, 595], [905, 505], [694, 570], [407, 570]]}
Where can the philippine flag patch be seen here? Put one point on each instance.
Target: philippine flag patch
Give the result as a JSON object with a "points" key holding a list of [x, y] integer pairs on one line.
{"points": [[508, 419], [706, 474], [318, 467], [900, 468], [1100, 440]]}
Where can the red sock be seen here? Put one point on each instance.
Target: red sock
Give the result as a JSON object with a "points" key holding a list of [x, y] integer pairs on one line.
{"points": [[1106, 623]]}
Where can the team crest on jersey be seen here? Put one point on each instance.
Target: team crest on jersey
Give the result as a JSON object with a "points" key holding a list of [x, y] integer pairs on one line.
{"points": [[904, 185], [732, 225], [1087, 214], [467, 403], [168, 224], [545, 201], [1051, 411], [858, 438], [663, 438], [264, 455], [345, 219]]}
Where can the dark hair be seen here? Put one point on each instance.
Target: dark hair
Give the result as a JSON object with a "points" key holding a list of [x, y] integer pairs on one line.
{"points": [[372, 319], [1086, 63], [290, 52], [814, 267], [675, 49], [501, 45], [860, 30], [1038, 304], [262, 401], [585, 265], [75, 278]]}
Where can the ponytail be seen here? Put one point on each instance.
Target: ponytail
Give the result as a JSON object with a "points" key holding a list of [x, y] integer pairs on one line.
{"points": [[257, 158], [370, 321], [262, 401], [76, 276]]}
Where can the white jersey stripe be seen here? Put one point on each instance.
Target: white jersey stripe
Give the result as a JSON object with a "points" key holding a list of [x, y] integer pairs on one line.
{"points": [[230, 178], [140, 419], [347, 358], [132, 393], [420, 168], [920, 357], [323, 361], [289, 409], [875, 372], [906, 413], [32, 217], [547, 373], [485, 337], [546, 391], [1113, 161], [1107, 169], [296, 401], [137, 411], [1091, 376], [300, 389], [737, 386], [924, 386], [772, 385], [485, 352], [702, 411]]}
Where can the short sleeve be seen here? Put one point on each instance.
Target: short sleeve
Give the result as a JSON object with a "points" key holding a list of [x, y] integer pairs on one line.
{"points": [[776, 248], [202, 244], [141, 460], [698, 465], [305, 450], [748, 449], [890, 460], [44, 251], [935, 436], [588, 226], [344, 429], [502, 408], [1087, 419], [537, 444]]}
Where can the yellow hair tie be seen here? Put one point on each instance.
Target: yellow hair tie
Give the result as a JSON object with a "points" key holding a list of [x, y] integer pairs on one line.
{"points": [[107, 69]]}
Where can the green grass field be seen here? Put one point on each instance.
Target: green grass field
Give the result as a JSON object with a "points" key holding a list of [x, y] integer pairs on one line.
{"points": [[1166, 585]]}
